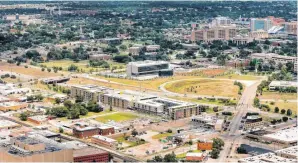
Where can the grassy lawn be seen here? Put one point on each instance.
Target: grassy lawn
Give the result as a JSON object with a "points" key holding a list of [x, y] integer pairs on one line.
{"points": [[160, 136], [118, 117], [204, 87], [34, 72], [278, 96], [89, 115], [283, 105], [183, 155], [238, 77]]}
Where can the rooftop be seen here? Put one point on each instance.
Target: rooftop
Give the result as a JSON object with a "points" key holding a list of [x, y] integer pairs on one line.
{"points": [[287, 135], [267, 157], [104, 138], [147, 63], [283, 83], [39, 118], [6, 123], [87, 151]]}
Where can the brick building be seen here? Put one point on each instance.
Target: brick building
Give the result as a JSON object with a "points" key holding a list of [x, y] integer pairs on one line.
{"points": [[85, 132], [89, 154]]}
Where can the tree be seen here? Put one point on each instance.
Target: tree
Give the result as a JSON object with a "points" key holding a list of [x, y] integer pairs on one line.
{"points": [[23, 116], [74, 113], [214, 153], [57, 100], [289, 112], [61, 130], [276, 109], [39, 97], [83, 111], [49, 70], [171, 157], [283, 111], [60, 111], [156, 159], [218, 143], [285, 119], [67, 104], [256, 102], [42, 69], [134, 132]]}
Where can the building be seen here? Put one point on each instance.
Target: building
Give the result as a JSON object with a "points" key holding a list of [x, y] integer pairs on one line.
{"points": [[194, 156], [290, 152], [152, 48], [242, 40], [221, 21], [90, 154], [150, 104], [208, 121], [253, 121], [55, 80], [290, 27], [12, 105], [287, 137], [259, 34], [38, 119], [87, 92], [211, 34], [100, 57], [134, 50], [267, 157], [274, 57], [260, 24], [204, 145], [9, 89], [151, 68], [7, 125], [277, 85], [104, 141], [85, 132], [276, 21], [34, 148], [106, 130], [190, 46]]}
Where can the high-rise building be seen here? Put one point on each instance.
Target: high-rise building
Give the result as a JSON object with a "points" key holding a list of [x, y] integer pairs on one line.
{"points": [[216, 33], [290, 27], [260, 24]]}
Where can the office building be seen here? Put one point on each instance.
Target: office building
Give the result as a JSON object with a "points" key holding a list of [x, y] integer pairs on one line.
{"points": [[100, 57], [277, 85], [290, 27], [151, 68], [221, 21], [287, 137], [87, 92], [208, 121], [211, 34], [152, 48], [85, 132], [164, 107], [104, 141], [253, 121], [134, 50], [274, 57], [34, 148], [259, 34], [242, 40], [260, 24], [90, 154]]}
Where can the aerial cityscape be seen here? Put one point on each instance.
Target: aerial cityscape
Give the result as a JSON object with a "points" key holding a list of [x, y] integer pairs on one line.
{"points": [[148, 81]]}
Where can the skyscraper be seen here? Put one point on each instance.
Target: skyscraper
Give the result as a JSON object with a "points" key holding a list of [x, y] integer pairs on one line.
{"points": [[259, 23]]}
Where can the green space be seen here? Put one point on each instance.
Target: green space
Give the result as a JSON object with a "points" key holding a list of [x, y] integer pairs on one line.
{"points": [[238, 77], [282, 105], [117, 117], [163, 135], [89, 114]]}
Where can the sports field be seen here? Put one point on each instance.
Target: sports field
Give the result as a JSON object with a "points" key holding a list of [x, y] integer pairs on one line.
{"points": [[204, 87]]}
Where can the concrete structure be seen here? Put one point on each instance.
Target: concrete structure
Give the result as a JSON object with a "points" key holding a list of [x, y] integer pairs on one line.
{"points": [[253, 121], [38, 119], [208, 121], [152, 48], [288, 136], [34, 148], [90, 154], [87, 92], [260, 24], [205, 145], [274, 57], [5, 124], [217, 33], [194, 156], [55, 80], [143, 68], [9, 106], [267, 157], [9, 89], [100, 57], [164, 107], [290, 27], [221, 21], [276, 85], [259, 34], [290, 152], [135, 50], [104, 141], [242, 40]]}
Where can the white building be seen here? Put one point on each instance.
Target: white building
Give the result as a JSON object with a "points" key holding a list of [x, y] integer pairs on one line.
{"points": [[282, 84], [274, 57], [208, 121], [150, 68], [288, 136]]}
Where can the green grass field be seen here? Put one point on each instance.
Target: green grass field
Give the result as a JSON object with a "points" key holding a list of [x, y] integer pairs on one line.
{"points": [[117, 117], [204, 87], [160, 136], [283, 105]]}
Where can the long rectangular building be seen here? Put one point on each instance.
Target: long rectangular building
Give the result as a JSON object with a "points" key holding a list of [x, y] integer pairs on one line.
{"points": [[164, 107], [216, 33], [87, 92]]}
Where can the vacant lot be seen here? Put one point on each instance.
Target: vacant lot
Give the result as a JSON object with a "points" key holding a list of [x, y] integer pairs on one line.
{"points": [[278, 96], [117, 117], [204, 87], [33, 72], [238, 77]]}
